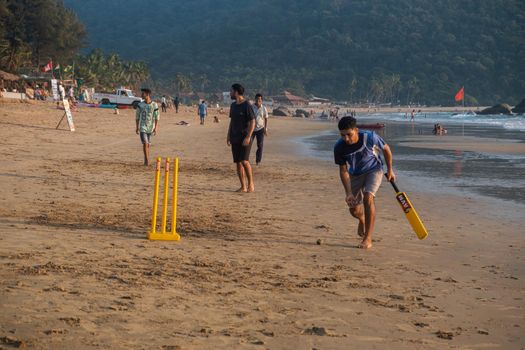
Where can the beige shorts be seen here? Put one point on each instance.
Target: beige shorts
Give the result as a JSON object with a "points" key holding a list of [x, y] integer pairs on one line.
{"points": [[366, 183]]}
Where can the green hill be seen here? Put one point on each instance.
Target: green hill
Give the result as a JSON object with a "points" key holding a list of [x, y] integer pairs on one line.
{"points": [[357, 50]]}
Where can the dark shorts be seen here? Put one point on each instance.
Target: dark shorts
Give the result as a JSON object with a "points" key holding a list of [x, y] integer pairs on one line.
{"points": [[241, 152], [145, 138]]}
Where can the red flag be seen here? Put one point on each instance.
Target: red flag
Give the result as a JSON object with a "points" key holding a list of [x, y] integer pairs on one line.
{"points": [[460, 95], [48, 67]]}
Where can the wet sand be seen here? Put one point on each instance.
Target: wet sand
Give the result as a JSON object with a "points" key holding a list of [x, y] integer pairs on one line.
{"points": [[467, 143], [77, 272]]}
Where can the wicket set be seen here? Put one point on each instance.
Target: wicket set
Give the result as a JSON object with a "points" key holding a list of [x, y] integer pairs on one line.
{"points": [[163, 235]]}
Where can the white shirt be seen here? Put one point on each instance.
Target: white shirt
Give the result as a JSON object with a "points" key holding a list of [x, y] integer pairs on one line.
{"points": [[261, 114], [61, 91]]}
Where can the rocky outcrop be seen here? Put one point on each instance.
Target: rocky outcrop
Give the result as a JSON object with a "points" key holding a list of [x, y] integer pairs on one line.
{"points": [[301, 113], [519, 108], [281, 112], [501, 108]]}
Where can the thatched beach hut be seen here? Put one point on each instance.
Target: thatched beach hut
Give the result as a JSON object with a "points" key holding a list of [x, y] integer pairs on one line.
{"points": [[288, 99], [7, 79]]}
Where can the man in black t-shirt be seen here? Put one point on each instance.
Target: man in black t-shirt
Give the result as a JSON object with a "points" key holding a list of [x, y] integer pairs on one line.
{"points": [[242, 124]]}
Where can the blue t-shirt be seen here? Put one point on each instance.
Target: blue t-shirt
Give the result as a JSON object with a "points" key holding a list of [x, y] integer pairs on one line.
{"points": [[202, 109], [363, 156]]}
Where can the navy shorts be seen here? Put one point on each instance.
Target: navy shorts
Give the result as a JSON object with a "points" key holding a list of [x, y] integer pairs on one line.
{"points": [[240, 152], [145, 137]]}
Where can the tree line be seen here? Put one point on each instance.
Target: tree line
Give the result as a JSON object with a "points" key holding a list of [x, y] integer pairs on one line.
{"points": [[381, 51], [36, 32]]}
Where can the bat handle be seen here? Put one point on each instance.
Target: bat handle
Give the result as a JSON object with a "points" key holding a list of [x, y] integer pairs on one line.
{"points": [[393, 185]]}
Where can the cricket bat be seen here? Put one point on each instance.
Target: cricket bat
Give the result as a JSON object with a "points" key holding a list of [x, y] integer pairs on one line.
{"points": [[410, 212]]}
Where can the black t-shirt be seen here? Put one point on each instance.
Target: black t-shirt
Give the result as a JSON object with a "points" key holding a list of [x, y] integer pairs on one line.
{"points": [[241, 115]]}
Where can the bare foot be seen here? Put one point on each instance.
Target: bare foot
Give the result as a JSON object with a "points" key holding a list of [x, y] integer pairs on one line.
{"points": [[251, 189], [242, 189], [361, 230], [365, 244]]}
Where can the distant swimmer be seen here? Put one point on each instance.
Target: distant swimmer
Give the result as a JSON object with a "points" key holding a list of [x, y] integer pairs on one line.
{"points": [[413, 115], [147, 121], [439, 130], [361, 172]]}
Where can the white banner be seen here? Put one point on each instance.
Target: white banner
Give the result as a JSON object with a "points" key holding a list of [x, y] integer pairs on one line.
{"points": [[54, 89], [68, 115]]}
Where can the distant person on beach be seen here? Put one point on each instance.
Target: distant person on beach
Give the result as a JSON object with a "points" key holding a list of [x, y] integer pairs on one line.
{"points": [[242, 124], [261, 126], [202, 111], [176, 102], [147, 121], [361, 172], [413, 115], [61, 92], [163, 104]]}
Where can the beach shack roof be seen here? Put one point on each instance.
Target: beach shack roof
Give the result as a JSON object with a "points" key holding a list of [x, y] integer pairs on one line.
{"points": [[8, 76], [289, 99], [319, 99]]}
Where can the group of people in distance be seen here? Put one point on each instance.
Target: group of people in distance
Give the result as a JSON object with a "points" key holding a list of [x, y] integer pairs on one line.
{"points": [[356, 152], [439, 130]]}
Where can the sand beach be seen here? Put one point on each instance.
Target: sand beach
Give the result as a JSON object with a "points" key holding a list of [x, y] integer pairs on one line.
{"points": [[76, 269]]}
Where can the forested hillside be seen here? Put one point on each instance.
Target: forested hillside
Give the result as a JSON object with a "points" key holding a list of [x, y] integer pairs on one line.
{"points": [[357, 50]]}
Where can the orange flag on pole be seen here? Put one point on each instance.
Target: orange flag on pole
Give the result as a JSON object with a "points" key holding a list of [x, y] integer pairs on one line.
{"points": [[460, 95]]}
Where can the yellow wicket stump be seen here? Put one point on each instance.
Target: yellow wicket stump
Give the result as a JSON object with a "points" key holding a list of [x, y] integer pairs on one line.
{"points": [[163, 235]]}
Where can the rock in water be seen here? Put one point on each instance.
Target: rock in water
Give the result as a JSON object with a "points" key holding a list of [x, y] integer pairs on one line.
{"points": [[519, 108], [501, 108], [281, 112]]}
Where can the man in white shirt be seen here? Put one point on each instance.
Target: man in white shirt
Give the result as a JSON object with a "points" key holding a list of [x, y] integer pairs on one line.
{"points": [[261, 126], [163, 104]]}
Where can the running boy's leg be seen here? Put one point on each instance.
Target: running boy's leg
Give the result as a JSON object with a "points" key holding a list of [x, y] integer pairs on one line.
{"points": [[371, 185]]}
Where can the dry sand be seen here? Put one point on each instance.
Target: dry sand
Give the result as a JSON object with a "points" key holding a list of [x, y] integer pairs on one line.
{"points": [[77, 272]]}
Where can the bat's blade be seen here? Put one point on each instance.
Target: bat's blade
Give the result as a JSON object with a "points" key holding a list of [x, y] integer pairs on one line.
{"points": [[411, 215]]}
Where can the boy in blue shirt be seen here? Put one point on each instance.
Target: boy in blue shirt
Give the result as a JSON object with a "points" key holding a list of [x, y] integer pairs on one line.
{"points": [[203, 110], [361, 172]]}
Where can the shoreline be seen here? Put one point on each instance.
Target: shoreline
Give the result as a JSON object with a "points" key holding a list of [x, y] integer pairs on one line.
{"points": [[465, 148], [77, 270]]}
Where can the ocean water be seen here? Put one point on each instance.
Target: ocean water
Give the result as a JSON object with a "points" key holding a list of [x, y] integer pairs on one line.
{"points": [[484, 174]]}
